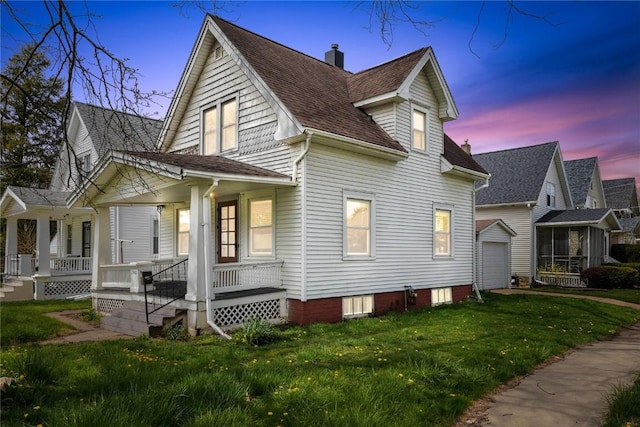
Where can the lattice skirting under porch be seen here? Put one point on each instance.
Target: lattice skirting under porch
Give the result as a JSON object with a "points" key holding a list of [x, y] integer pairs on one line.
{"points": [[237, 314], [54, 290], [107, 305]]}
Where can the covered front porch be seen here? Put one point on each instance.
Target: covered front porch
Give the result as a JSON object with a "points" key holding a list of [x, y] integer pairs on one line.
{"points": [[568, 242], [59, 263], [216, 238]]}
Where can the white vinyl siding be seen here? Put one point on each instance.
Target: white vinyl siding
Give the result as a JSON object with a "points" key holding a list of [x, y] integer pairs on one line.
{"points": [[136, 231], [221, 80], [404, 224]]}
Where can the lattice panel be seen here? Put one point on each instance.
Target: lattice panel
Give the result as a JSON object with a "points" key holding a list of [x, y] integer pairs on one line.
{"points": [[237, 314], [70, 287], [107, 305]]}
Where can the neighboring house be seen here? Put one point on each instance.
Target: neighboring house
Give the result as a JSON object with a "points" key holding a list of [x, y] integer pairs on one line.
{"points": [[493, 254], [585, 183], [530, 192], [62, 265], [622, 197], [291, 188]]}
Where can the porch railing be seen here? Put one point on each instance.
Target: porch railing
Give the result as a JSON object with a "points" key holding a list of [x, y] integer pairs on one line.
{"points": [[246, 275], [571, 280], [72, 264], [165, 286], [26, 265]]}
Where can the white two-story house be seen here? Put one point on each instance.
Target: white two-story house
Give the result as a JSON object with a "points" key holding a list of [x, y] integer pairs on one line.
{"points": [[291, 188]]}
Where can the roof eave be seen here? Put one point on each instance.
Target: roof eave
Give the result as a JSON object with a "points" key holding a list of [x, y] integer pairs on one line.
{"points": [[450, 169], [384, 98], [285, 180], [356, 145], [502, 205]]}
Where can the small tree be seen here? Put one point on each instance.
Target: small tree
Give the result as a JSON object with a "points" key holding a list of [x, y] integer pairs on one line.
{"points": [[32, 109]]}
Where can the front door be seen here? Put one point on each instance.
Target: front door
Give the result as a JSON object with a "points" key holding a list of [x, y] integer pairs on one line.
{"points": [[227, 231], [86, 239]]}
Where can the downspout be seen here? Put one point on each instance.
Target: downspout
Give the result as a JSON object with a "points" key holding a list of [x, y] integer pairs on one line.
{"points": [[303, 215], [296, 162], [474, 250], [206, 204]]}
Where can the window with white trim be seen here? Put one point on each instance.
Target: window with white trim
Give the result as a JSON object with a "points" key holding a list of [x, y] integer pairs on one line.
{"points": [[419, 127], [155, 236], [551, 195], [442, 232], [220, 127], [359, 226], [69, 239], [184, 227], [357, 306], [441, 296], [261, 227]]}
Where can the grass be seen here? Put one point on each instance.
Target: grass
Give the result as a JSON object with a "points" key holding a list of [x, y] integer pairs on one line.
{"points": [[628, 295], [624, 406], [418, 368], [21, 321]]}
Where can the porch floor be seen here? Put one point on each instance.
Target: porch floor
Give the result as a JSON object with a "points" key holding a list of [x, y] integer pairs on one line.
{"points": [[246, 293]]}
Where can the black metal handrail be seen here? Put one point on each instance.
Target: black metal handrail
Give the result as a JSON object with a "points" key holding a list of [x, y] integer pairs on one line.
{"points": [[167, 286]]}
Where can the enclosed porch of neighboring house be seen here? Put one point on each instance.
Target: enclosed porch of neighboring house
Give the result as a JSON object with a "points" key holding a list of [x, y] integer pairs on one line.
{"points": [[59, 264], [217, 263], [568, 242]]}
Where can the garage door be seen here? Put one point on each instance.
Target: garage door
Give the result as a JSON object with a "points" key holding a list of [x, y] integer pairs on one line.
{"points": [[494, 265]]}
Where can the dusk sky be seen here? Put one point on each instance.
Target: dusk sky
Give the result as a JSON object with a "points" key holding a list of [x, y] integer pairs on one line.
{"points": [[574, 78]]}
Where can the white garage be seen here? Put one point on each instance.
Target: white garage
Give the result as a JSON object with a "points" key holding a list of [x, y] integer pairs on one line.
{"points": [[493, 264]]}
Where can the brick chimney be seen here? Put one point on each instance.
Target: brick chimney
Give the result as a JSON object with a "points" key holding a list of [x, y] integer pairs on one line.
{"points": [[334, 56], [466, 147]]}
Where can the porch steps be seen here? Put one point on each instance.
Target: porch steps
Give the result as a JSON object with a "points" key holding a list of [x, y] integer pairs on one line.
{"points": [[16, 290], [131, 319]]}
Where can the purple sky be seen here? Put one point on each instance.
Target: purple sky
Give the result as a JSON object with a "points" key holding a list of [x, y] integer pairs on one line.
{"points": [[575, 79]]}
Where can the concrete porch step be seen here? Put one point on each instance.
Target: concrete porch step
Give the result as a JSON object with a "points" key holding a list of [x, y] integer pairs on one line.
{"points": [[131, 319], [16, 290]]}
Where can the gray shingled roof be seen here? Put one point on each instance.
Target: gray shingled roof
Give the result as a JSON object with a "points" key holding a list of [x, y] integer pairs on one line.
{"points": [[209, 164], [620, 193], [114, 130], [315, 92], [574, 215], [39, 196], [629, 225], [517, 175], [579, 173]]}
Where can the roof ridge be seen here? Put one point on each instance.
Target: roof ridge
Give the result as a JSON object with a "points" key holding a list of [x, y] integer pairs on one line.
{"points": [[422, 49], [217, 17], [100, 107], [519, 148]]}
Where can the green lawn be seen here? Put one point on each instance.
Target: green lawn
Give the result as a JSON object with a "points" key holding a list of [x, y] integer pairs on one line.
{"points": [[418, 368], [629, 295], [21, 321], [624, 406]]}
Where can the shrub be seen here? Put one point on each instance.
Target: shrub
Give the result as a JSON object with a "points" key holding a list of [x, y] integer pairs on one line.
{"points": [[626, 253], [175, 331], [258, 332], [609, 276]]}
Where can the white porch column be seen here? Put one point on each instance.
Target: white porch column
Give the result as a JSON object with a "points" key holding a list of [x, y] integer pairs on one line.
{"points": [[43, 246], [195, 275], [11, 242], [101, 249]]}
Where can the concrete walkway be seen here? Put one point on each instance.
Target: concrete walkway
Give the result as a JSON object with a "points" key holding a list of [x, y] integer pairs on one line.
{"points": [[85, 331], [572, 391]]}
